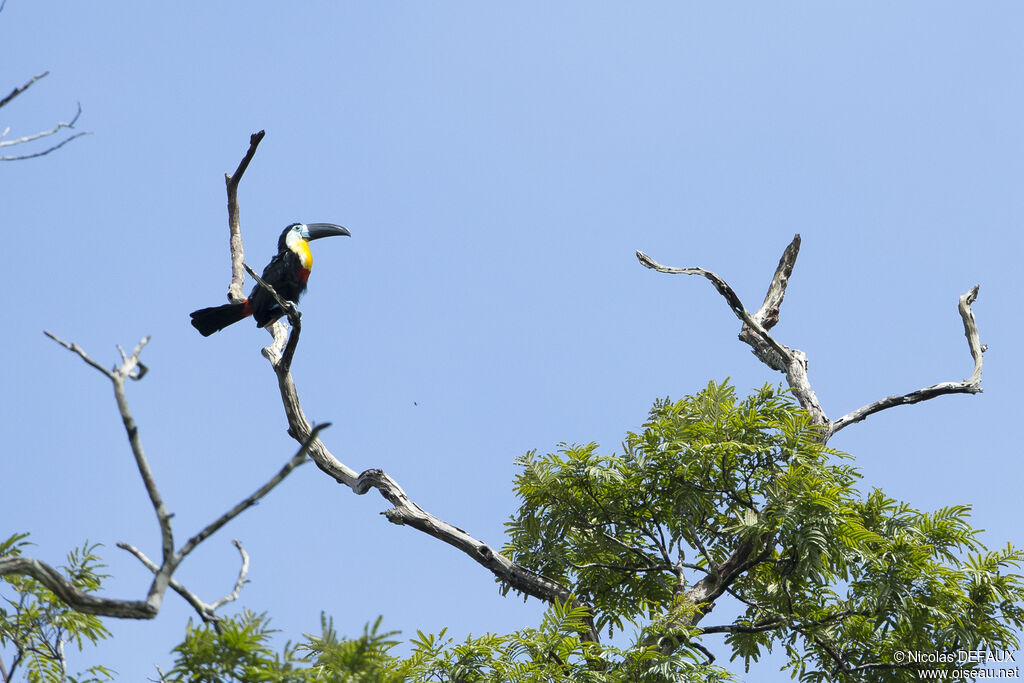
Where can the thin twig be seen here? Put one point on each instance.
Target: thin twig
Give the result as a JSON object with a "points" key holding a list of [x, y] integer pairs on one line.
{"points": [[75, 348], [46, 133], [43, 134], [54, 148], [243, 571], [255, 496], [17, 91]]}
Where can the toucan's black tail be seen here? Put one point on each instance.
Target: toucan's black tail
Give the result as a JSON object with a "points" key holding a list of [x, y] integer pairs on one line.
{"points": [[210, 320]]}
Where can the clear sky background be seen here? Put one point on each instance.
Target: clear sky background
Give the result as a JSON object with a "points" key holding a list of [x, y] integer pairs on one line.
{"points": [[498, 166]]}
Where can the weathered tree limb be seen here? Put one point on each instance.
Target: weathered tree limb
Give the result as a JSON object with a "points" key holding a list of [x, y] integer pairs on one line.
{"points": [[768, 314], [235, 289], [777, 356], [18, 90], [76, 599], [243, 571], [405, 511], [794, 362]]}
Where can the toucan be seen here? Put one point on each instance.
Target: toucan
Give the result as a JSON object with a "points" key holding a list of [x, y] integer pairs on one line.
{"points": [[287, 273]]}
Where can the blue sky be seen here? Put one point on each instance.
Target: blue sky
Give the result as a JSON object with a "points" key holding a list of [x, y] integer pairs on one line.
{"points": [[498, 166]]}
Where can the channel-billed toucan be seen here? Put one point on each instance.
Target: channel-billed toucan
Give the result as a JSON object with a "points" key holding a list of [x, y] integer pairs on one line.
{"points": [[286, 273]]}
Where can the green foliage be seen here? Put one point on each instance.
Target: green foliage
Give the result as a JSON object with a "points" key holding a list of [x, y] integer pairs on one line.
{"points": [[366, 659], [235, 649], [839, 580], [552, 653], [37, 626], [716, 498]]}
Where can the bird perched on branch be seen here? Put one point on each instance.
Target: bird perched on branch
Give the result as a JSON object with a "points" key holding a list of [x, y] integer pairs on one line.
{"points": [[287, 273]]}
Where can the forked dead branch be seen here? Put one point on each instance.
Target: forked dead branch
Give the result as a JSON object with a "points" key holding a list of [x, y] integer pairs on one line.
{"points": [[27, 139], [132, 368], [793, 362]]}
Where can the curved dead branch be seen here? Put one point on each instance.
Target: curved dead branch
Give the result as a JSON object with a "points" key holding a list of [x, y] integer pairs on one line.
{"points": [[404, 510]]}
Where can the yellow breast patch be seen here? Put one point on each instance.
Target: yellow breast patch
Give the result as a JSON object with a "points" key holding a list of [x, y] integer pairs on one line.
{"points": [[305, 255]]}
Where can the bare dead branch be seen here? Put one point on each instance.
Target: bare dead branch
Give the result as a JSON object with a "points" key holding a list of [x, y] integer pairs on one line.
{"points": [[17, 91], [971, 385], [768, 314], [76, 599], [777, 356], [75, 348], [45, 133], [53, 148], [243, 571], [730, 297], [235, 289], [405, 511], [36, 136], [794, 362], [206, 611]]}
